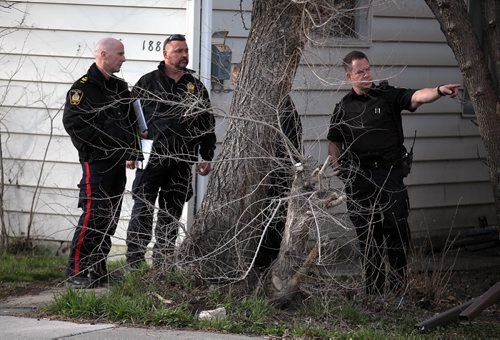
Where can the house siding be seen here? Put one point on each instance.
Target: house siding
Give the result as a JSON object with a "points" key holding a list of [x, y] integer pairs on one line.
{"points": [[48, 46], [449, 184]]}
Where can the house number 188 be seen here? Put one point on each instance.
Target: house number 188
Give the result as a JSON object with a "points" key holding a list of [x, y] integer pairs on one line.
{"points": [[151, 45]]}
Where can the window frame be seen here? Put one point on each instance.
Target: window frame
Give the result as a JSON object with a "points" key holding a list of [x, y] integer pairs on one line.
{"points": [[363, 28]]}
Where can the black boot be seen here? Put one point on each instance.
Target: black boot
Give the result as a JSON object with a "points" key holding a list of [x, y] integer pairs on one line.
{"points": [[80, 281]]}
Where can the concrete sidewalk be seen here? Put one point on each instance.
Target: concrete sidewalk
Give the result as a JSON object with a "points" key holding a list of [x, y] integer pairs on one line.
{"points": [[16, 323], [15, 327]]}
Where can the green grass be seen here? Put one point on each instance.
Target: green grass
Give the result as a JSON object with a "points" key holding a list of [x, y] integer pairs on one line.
{"points": [[135, 301], [21, 272], [140, 299], [31, 268], [126, 302]]}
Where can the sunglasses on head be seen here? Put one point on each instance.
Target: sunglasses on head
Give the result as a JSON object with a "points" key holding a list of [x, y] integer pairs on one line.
{"points": [[176, 37]]}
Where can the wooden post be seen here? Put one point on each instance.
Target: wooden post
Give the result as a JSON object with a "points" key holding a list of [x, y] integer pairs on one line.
{"points": [[465, 312], [490, 297], [451, 315]]}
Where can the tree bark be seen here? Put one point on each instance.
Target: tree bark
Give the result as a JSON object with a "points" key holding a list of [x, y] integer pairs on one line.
{"points": [[308, 213], [491, 28], [457, 27], [222, 241]]}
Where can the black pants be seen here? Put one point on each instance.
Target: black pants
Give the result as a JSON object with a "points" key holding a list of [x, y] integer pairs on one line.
{"points": [[101, 192], [378, 208], [280, 183], [170, 182]]}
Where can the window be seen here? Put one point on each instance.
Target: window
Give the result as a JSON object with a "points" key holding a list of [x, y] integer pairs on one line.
{"points": [[341, 22]]}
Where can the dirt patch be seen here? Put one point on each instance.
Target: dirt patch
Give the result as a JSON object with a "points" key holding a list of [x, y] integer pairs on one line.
{"points": [[464, 286], [12, 289]]}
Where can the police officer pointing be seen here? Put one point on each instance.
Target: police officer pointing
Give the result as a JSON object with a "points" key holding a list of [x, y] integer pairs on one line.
{"points": [[366, 146], [97, 117]]}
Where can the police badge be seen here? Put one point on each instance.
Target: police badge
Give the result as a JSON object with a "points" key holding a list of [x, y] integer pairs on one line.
{"points": [[190, 87], [75, 96]]}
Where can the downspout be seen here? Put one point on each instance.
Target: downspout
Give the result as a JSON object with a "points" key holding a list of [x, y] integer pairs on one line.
{"points": [[193, 33], [193, 20], [205, 77]]}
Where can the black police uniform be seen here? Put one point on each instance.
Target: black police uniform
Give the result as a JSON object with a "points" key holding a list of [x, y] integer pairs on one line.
{"points": [[181, 127], [97, 117], [280, 182], [369, 128]]}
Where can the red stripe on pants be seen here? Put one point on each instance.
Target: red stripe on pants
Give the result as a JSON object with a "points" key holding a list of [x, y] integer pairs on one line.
{"points": [[85, 220]]}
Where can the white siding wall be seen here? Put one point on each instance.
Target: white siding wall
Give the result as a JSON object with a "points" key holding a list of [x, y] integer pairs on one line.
{"points": [[449, 185], [50, 45]]}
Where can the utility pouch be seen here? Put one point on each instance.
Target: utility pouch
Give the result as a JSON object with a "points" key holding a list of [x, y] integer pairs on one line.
{"points": [[407, 160], [343, 168]]}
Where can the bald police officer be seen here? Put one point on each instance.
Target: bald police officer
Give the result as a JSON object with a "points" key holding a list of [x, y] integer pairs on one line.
{"points": [[97, 117]]}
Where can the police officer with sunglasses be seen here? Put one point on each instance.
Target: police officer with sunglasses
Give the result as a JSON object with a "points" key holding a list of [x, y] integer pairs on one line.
{"points": [[180, 123]]}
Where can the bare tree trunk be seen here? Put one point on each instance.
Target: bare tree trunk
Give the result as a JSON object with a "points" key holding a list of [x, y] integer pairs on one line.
{"points": [[491, 29], [223, 239], [457, 27], [308, 212]]}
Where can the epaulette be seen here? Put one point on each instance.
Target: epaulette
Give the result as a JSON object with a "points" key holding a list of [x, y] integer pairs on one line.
{"points": [[384, 84], [83, 79]]}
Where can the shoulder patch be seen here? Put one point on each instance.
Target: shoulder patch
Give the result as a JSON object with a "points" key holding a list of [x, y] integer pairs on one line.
{"points": [[75, 96], [190, 87]]}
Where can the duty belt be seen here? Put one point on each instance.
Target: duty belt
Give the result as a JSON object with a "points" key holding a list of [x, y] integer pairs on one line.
{"points": [[381, 164]]}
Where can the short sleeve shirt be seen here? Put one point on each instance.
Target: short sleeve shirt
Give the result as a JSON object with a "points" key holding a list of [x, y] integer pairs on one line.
{"points": [[370, 124]]}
